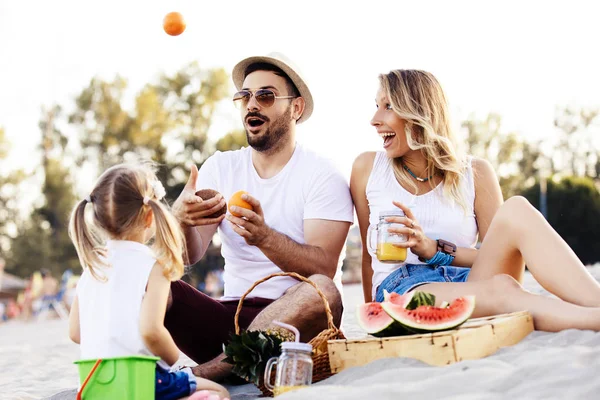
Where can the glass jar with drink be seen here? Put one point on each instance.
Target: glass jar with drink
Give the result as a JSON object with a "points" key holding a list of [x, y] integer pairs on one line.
{"points": [[294, 365], [386, 249]]}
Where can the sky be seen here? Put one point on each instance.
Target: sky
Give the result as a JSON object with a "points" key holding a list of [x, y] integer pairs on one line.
{"points": [[521, 59]]}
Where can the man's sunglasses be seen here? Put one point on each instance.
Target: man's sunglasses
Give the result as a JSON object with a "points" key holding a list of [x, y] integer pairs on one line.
{"points": [[264, 97]]}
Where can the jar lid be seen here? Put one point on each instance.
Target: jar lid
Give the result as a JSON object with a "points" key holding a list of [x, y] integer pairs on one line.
{"points": [[391, 213], [296, 346]]}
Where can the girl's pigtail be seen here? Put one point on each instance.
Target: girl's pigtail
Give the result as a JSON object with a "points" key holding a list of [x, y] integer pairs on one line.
{"points": [[84, 240], [169, 242]]}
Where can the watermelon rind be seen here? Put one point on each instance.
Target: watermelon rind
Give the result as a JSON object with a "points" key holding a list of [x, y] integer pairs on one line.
{"points": [[432, 319], [395, 329]]}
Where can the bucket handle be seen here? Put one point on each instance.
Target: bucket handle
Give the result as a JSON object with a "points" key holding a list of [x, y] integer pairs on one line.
{"points": [[80, 392]]}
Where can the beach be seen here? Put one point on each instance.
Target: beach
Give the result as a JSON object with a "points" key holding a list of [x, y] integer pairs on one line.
{"points": [[36, 360]]}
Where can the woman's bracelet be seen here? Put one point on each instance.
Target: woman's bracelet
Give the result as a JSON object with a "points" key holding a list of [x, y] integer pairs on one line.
{"points": [[440, 258]]}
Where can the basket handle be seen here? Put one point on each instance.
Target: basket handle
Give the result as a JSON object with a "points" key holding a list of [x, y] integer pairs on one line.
{"points": [[293, 275], [80, 392]]}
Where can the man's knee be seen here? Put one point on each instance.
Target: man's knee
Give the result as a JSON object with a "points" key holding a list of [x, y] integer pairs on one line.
{"points": [[327, 286], [332, 294]]}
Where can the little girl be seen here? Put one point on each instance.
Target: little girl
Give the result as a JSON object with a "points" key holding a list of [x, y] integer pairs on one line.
{"points": [[121, 297]]}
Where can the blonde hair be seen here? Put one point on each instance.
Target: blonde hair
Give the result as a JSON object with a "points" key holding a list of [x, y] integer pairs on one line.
{"points": [[417, 97], [119, 213]]}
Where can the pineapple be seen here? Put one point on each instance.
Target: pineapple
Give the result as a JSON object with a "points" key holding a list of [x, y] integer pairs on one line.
{"points": [[250, 351]]}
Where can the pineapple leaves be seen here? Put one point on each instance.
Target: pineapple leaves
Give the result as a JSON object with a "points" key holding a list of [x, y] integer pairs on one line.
{"points": [[249, 352]]}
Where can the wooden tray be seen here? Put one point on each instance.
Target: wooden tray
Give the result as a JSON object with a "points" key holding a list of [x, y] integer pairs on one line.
{"points": [[476, 338]]}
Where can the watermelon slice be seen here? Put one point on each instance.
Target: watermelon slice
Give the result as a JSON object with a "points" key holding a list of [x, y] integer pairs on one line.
{"points": [[429, 318], [398, 299], [410, 300], [373, 320]]}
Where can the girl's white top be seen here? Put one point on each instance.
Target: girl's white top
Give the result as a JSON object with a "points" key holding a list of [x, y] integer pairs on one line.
{"points": [[439, 217], [109, 311]]}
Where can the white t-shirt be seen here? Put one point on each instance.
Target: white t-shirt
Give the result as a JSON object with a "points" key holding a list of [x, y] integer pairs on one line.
{"points": [[308, 187], [109, 312], [439, 217]]}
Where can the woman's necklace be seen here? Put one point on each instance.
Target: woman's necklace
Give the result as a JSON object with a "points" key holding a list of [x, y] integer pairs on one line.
{"points": [[414, 176]]}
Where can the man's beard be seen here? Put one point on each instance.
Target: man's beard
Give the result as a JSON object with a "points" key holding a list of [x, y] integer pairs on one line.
{"points": [[274, 136]]}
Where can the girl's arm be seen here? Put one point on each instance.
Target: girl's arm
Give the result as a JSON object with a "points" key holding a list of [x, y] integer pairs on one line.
{"points": [[361, 169], [74, 332], [154, 306]]}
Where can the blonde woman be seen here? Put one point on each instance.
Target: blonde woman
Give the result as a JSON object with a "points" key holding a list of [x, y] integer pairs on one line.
{"points": [[450, 202], [121, 298]]}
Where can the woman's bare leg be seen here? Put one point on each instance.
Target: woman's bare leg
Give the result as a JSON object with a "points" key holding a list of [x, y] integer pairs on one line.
{"points": [[519, 234], [503, 294]]}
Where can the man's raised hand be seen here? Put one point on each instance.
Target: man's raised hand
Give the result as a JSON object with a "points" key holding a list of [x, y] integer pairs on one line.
{"points": [[191, 210]]}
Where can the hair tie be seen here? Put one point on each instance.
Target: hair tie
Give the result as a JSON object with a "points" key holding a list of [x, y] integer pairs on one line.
{"points": [[158, 189], [146, 200], [88, 199]]}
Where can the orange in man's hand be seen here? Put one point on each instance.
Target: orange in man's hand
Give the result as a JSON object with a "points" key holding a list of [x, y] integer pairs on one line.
{"points": [[236, 200], [173, 23]]}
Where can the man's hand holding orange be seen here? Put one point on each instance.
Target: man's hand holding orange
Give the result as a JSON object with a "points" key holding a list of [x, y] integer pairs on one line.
{"points": [[237, 200], [248, 222]]}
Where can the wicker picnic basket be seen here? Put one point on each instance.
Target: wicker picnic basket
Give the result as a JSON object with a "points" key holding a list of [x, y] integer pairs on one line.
{"points": [[321, 367]]}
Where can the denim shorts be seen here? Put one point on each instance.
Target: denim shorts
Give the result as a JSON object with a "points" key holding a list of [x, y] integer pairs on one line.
{"points": [[172, 385], [409, 276]]}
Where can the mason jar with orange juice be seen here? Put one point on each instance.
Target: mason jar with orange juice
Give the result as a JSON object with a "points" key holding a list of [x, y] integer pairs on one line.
{"points": [[294, 365], [386, 250]]}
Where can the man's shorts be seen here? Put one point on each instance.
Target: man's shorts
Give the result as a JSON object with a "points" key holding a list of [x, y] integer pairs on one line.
{"points": [[200, 325], [410, 276]]}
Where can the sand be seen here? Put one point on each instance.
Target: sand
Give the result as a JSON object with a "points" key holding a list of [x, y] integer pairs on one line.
{"points": [[36, 360]]}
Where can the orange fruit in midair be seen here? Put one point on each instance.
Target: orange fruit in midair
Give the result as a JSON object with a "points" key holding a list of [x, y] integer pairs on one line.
{"points": [[173, 23], [236, 200]]}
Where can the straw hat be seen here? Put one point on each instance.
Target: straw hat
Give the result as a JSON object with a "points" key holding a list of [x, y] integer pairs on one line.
{"points": [[286, 65]]}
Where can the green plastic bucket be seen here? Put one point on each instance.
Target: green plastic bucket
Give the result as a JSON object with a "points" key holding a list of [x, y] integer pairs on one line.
{"points": [[118, 378]]}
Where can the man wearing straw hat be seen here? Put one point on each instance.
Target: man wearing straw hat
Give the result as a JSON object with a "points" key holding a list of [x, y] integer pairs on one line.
{"points": [[301, 213]]}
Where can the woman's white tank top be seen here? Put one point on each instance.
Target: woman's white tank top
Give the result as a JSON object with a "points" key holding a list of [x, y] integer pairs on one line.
{"points": [[439, 217]]}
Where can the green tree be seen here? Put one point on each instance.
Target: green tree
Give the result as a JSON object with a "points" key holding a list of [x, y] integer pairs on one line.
{"points": [[9, 200], [514, 160], [574, 204], [31, 249], [59, 199], [58, 193], [102, 124], [577, 153], [232, 141], [168, 125], [43, 241]]}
